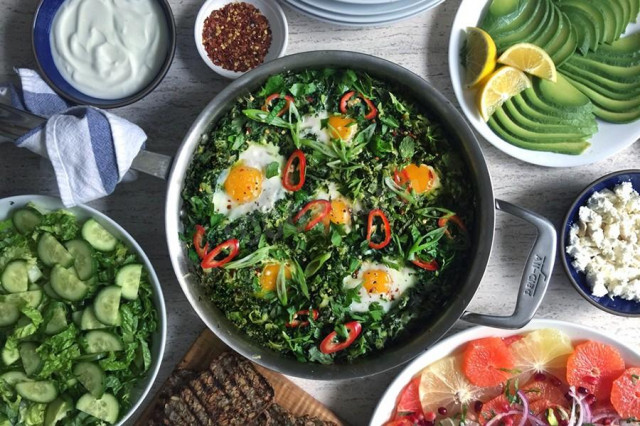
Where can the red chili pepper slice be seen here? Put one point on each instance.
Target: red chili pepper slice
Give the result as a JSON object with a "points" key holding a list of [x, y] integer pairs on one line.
{"points": [[272, 97], [442, 222], [289, 171], [322, 208], [387, 229], [197, 242], [329, 345], [210, 260], [429, 266], [344, 103], [295, 322]]}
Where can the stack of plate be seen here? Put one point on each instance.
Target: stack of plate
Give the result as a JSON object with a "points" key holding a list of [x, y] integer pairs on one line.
{"points": [[361, 13]]}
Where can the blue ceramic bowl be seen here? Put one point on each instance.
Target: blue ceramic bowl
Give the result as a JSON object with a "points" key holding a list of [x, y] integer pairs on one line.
{"points": [[41, 44], [615, 305]]}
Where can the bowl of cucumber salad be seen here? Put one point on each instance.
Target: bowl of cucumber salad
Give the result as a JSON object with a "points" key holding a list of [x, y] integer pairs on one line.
{"points": [[82, 317]]}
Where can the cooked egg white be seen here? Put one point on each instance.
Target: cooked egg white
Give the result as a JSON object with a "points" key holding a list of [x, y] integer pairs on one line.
{"points": [[342, 208], [379, 283], [244, 187], [335, 127]]}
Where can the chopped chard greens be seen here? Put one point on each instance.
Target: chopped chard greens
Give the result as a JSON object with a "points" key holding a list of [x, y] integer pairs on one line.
{"points": [[76, 321], [325, 246]]}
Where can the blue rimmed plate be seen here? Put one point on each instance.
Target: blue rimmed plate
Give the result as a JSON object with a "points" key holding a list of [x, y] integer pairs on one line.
{"points": [[612, 305]]}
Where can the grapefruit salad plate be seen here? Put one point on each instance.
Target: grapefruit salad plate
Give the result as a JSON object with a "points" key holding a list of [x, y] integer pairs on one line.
{"points": [[548, 373]]}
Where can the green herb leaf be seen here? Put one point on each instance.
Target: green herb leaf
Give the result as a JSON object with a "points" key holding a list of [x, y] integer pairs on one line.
{"points": [[407, 147], [273, 169]]}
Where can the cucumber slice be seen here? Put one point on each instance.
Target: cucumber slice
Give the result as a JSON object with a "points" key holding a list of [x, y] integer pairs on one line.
{"points": [[91, 376], [66, 283], [102, 341], [56, 411], [97, 236], [49, 291], [107, 304], [84, 263], [14, 377], [30, 359], [10, 355], [105, 408], [15, 277], [31, 298], [88, 320], [26, 220], [76, 316], [92, 357], [42, 392], [9, 314], [51, 252], [56, 318], [128, 277]]}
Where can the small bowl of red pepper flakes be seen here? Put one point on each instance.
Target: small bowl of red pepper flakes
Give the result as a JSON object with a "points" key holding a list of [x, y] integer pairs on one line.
{"points": [[234, 37]]}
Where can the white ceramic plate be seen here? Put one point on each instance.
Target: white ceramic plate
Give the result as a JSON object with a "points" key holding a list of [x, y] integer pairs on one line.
{"points": [[270, 9], [610, 139], [9, 204], [369, 10], [449, 345], [364, 20]]}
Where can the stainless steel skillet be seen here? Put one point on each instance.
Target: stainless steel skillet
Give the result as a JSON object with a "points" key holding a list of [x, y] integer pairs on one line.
{"points": [[538, 266]]}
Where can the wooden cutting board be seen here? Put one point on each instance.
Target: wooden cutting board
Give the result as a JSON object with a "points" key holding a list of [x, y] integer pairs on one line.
{"points": [[287, 394]]}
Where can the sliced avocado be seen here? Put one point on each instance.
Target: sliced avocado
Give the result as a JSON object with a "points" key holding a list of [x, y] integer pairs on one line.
{"points": [[600, 84], [609, 19], [566, 51], [628, 45], [528, 123], [551, 27], [616, 117], [614, 72], [635, 10], [562, 35], [593, 13], [550, 116], [560, 94], [506, 15], [568, 147], [534, 101], [626, 11], [524, 32], [543, 26], [585, 28], [620, 24], [515, 129], [608, 104]]}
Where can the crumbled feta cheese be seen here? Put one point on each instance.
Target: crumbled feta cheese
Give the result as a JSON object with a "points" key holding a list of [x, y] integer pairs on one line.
{"points": [[605, 242]]}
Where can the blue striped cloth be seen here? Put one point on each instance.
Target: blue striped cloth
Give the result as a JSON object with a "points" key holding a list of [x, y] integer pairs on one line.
{"points": [[91, 150]]}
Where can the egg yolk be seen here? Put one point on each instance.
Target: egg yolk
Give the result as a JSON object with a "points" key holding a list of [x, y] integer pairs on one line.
{"points": [[340, 213], [244, 183], [419, 177], [376, 281], [342, 127], [269, 276]]}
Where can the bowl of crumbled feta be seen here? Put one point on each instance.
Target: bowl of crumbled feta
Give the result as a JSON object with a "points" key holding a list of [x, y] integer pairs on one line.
{"points": [[600, 242]]}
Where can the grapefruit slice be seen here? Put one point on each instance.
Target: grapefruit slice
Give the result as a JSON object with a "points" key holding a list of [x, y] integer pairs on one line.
{"points": [[487, 362], [409, 400], [442, 384], [625, 394], [594, 366], [543, 350]]}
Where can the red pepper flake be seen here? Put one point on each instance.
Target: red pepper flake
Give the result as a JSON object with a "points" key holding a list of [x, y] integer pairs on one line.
{"points": [[237, 37]]}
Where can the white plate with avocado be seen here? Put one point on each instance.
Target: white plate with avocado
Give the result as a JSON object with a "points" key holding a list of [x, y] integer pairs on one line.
{"points": [[609, 140]]}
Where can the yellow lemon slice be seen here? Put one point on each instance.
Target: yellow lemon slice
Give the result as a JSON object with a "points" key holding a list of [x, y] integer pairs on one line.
{"points": [[478, 55], [504, 83], [531, 59], [544, 350]]}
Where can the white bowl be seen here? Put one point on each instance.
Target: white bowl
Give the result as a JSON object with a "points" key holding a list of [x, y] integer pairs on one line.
{"points": [[610, 139], [449, 345], [141, 390], [269, 8]]}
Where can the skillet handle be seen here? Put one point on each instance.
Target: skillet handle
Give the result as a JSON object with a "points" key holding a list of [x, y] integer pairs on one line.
{"points": [[536, 276], [15, 122]]}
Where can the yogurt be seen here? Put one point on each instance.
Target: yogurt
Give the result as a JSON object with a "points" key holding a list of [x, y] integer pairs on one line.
{"points": [[109, 49]]}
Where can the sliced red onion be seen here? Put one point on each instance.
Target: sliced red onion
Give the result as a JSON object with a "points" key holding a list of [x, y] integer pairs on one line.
{"points": [[609, 414], [525, 408]]}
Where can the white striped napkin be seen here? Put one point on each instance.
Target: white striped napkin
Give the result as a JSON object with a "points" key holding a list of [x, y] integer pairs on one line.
{"points": [[91, 150]]}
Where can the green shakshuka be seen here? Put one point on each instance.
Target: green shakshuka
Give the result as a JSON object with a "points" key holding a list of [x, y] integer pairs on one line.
{"points": [[328, 215]]}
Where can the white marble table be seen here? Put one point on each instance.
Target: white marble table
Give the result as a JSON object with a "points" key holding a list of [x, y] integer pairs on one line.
{"points": [[419, 44]]}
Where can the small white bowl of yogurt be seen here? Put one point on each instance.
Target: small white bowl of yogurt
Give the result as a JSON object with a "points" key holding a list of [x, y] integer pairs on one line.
{"points": [[105, 53]]}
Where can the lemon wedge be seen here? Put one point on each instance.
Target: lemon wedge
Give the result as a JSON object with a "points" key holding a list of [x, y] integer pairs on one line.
{"points": [[500, 86], [531, 59], [479, 56]]}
